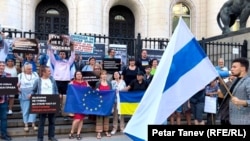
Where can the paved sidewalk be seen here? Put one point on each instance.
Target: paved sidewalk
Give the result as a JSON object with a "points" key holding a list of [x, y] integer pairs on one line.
{"points": [[85, 137]]}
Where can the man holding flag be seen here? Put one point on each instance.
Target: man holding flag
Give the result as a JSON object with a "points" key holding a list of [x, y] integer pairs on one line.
{"points": [[182, 62]]}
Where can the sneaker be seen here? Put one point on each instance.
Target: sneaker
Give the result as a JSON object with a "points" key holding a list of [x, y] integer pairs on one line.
{"points": [[113, 131], [52, 139], [35, 128], [26, 128], [10, 112]]}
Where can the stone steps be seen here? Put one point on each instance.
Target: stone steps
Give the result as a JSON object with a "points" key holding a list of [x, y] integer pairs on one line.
{"points": [[15, 124]]}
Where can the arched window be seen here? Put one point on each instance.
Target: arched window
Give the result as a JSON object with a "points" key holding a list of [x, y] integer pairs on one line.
{"points": [[119, 18], [52, 12], [180, 10]]}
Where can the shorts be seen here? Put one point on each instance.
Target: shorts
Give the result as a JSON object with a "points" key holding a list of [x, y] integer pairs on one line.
{"points": [[198, 110], [79, 116], [62, 86]]}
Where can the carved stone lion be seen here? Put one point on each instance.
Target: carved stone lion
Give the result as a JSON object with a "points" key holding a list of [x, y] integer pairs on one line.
{"points": [[231, 11]]}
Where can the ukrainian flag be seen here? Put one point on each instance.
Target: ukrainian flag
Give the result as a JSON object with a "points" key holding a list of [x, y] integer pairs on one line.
{"points": [[128, 101]]}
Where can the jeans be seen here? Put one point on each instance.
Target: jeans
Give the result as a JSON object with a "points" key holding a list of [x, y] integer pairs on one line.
{"points": [[27, 117], [51, 119], [3, 117]]}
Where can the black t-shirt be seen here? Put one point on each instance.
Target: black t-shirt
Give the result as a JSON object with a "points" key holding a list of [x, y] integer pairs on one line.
{"points": [[142, 63], [136, 86], [224, 109]]}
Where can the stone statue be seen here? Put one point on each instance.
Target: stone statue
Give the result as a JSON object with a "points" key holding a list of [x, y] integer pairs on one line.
{"points": [[231, 11]]}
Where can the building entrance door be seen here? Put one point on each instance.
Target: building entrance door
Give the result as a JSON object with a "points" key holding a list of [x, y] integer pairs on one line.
{"points": [[51, 17]]}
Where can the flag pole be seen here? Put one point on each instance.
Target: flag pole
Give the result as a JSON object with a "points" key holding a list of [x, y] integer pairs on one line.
{"points": [[225, 86]]}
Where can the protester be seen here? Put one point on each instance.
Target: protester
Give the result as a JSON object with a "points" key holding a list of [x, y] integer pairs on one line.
{"points": [[117, 84], [176, 116], [138, 84], [143, 61], [154, 64], [12, 70], [78, 61], [29, 58], [78, 118], [111, 53], [147, 76], [4, 47], [62, 73], [102, 122], [3, 108], [129, 73], [90, 65], [197, 102], [212, 90], [46, 85], [26, 80], [235, 109]]}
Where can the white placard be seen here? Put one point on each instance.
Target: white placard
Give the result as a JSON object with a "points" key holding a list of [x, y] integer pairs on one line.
{"points": [[235, 50], [210, 104]]}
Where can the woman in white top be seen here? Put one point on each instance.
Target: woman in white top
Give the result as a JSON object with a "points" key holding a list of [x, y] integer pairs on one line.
{"points": [[26, 81], [117, 84], [11, 69]]}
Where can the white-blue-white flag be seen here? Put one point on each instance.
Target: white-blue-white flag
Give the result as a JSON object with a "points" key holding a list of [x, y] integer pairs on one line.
{"points": [[184, 69]]}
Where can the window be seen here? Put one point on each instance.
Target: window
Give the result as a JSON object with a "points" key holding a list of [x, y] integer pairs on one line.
{"points": [[180, 10], [119, 18], [52, 11]]}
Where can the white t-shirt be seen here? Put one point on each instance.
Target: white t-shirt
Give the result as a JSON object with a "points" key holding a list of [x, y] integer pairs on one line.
{"points": [[46, 86], [12, 71], [27, 80]]}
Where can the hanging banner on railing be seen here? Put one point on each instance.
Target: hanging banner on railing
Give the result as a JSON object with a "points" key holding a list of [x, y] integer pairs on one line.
{"points": [[81, 43]]}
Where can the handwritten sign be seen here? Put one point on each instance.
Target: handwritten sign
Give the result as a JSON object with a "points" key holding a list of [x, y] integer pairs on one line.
{"points": [[8, 85], [42, 103]]}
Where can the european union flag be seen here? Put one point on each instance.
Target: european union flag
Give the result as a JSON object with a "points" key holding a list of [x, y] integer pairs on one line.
{"points": [[86, 100]]}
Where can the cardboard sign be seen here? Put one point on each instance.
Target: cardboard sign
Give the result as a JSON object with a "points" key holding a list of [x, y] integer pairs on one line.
{"points": [[111, 65], [44, 103], [25, 45], [8, 85], [59, 42]]}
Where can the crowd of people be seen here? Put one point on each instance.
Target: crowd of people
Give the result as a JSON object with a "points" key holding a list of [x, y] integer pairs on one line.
{"points": [[137, 75]]}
